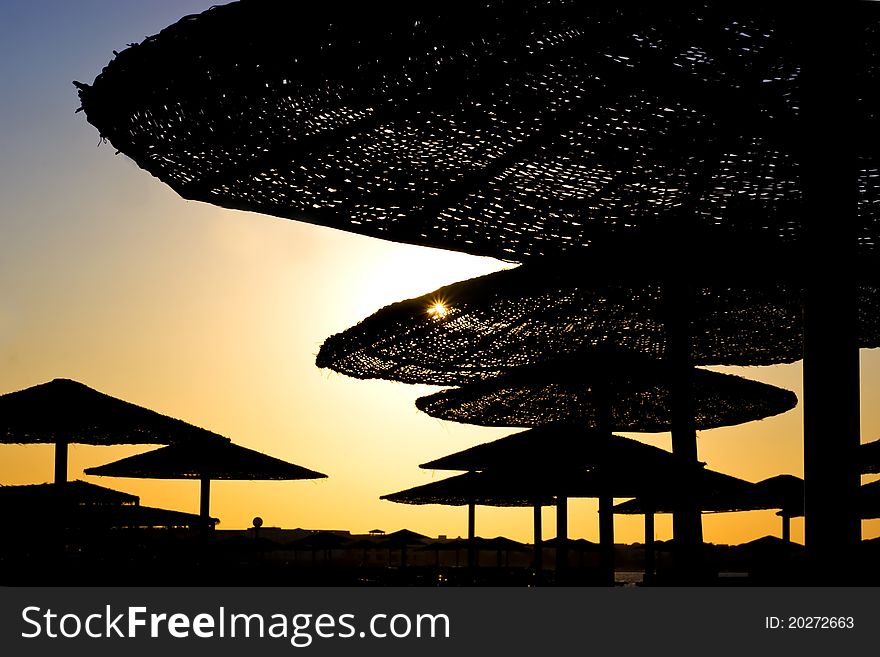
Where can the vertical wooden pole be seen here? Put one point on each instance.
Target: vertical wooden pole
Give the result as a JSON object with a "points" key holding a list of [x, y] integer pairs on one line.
{"points": [[472, 536], [606, 539], [649, 547], [686, 519], [561, 538], [539, 544], [786, 529], [606, 500], [205, 501], [60, 462], [829, 180]]}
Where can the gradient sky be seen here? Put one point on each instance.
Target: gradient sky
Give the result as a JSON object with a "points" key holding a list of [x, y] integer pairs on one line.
{"points": [[215, 316]]}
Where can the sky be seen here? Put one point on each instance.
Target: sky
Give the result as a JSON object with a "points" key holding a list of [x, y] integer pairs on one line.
{"points": [[215, 317]]}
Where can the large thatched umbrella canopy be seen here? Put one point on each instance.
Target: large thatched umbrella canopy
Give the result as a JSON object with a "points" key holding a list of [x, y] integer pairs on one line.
{"points": [[504, 129], [62, 411], [204, 461], [620, 392], [486, 326]]}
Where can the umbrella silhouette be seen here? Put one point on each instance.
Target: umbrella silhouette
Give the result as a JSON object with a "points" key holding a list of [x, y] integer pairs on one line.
{"points": [[623, 391], [204, 461], [784, 492], [62, 412], [86, 506], [514, 131], [527, 129], [401, 540]]}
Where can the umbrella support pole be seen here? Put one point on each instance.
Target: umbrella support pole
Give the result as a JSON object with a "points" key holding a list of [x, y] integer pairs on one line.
{"points": [[606, 539], [786, 529], [205, 501], [471, 546], [561, 538], [686, 519], [61, 462], [649, 549], [831, 354], [538, 564]]}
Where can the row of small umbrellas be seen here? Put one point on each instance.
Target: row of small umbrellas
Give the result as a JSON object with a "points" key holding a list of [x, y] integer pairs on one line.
{"points": [[65, 412]]}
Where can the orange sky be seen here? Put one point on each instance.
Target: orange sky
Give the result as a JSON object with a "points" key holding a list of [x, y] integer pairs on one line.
{"points": [[215, 317]]}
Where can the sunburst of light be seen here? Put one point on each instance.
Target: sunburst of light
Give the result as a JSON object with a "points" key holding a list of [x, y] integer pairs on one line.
{"points": [[438, 309]]}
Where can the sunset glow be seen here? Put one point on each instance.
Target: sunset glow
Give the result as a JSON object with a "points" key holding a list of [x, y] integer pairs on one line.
{"points": [[215, 316]]}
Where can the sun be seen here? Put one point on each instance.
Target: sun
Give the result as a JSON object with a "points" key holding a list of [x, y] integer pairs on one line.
{"points": [[438, 310]]}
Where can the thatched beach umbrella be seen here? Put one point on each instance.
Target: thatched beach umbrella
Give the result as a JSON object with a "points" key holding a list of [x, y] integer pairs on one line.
{"points": [[784, 492], [86, 506], [401, 540], [605, 389], [323, 540], [506, 130], [76, 493], [528, 129], [204, 461], [62, 412]]}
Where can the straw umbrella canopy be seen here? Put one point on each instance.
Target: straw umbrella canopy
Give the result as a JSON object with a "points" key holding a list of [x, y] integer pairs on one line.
{"points": [[506, 130], [784, 492], [204, 461], [62, 412], [86, 506], [519, 130], [613, 390], [486, 326], [77, 493]]}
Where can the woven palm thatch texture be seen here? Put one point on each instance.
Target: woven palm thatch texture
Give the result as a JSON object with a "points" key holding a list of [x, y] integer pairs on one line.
{"points": [[67, 411], [483, 327], [474, 488], [623, 392], [553, 445], [524, 485], [215, 460], [510, 129], [784, 492]]}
